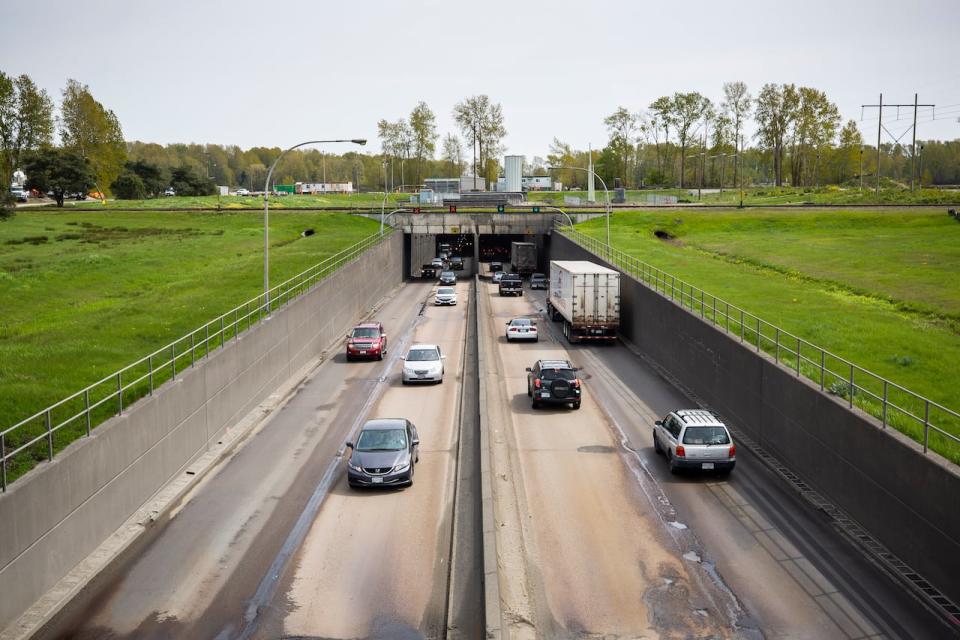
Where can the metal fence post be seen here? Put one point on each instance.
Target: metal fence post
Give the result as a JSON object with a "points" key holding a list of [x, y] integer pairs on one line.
{"points": [[86, 408], [798, 357], [119, 393], [883, 418], [702, 312], [49, 436], [926, 424], [173, 360], [206, 340], [193, 348], [741, 325], [758, 335], [776, 358], [236, 324], [150, 364], [851, 386], [823, 356], [3, 462], [715, 310], [221, 332]]}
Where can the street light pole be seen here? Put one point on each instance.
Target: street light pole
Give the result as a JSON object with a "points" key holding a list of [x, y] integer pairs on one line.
{"points": [[266, 212], [605, 190]]}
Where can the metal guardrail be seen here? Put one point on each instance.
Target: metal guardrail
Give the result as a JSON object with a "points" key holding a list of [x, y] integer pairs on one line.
{"points": [[83, 410], [914, 415]]}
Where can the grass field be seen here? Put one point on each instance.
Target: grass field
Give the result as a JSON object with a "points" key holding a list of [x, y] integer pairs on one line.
{"points": [[774, 196], [877, 287], [85, 293]]}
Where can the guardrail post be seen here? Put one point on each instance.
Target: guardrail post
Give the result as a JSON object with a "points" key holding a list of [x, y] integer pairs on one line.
{"points": [[798, 357], [206, 340], [776, 358], [236, 324], [823, 356], [715, 310], [673, 288], [221, 332], [119, 393], [86, 408], [702, 312], [49, 436], [741, 325], [758, 335], [150, 364], [926, 424], [3, 462], [883, 418], [173, 360], [851, 386], [193, 348], [726, 318]]}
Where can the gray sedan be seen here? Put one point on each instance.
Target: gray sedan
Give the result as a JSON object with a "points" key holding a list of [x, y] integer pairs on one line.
{"points": [[384, 455]]}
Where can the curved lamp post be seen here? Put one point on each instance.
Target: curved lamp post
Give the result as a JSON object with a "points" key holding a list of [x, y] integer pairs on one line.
{"points": [[266, 212], [604, 184]]}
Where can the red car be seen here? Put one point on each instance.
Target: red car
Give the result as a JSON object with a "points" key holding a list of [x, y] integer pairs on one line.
{"points": [[367, 340]]}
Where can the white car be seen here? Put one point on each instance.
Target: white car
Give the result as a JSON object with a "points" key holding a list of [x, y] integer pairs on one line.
{"points": [[497, 277], [423, 363], [522, 329], [243, 192], [445, 296], [20, 195], [169, 192]]}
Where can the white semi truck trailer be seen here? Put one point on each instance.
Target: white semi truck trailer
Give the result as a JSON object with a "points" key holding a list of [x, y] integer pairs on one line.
{"points": [[586, 297]]}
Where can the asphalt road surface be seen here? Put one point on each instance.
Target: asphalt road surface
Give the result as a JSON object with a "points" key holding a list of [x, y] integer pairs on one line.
{"points": [[612, 545]]}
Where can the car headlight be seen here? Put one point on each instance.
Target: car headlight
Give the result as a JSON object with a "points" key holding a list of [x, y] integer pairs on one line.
{"points": [[401, 467], [354, 466]]}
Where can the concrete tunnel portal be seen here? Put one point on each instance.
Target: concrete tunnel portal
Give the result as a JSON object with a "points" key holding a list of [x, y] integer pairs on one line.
{"points": [[475, 249]]}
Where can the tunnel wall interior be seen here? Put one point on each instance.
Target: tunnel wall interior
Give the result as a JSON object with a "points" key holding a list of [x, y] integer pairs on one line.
{"points": [[60, 512], [906, 499]]}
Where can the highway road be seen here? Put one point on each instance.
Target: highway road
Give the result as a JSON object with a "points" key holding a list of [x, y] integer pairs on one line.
{"points": [[274, 543], [610, 544], [595, 537]]}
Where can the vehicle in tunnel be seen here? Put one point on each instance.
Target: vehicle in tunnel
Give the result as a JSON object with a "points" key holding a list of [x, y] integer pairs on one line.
{"points": [[553, 382], [522, 329], [511, 284], [448, 277], [497, 275], [445, 296], [366, 340], [695, 439], [423, 363], [538, 281], [385, 454]]}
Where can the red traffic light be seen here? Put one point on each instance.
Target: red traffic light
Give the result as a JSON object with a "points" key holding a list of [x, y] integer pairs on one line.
{"points": [[416, 209], [453, 208]]}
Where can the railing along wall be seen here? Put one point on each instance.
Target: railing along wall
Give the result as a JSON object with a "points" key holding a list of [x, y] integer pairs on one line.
{"points": [[911, 413], [76, 415]]}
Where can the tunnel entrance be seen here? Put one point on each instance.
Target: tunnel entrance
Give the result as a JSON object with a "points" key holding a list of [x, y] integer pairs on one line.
{"points": [[461, 244], [496, 247]]}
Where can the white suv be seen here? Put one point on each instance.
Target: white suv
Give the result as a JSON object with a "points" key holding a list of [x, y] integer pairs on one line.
{"points": [[695, 439]]}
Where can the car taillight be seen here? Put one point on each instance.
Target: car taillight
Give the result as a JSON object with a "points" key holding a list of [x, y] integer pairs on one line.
{"points": [[576, 383], [536, 383], [733, 450], [681, 452]]}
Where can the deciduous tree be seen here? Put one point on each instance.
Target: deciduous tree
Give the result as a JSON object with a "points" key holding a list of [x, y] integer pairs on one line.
{"points": [[26, 121], [688, 108], [621, 126], [736, 105], [60, 171], [423, 128], [775, 111], [93, 131]]}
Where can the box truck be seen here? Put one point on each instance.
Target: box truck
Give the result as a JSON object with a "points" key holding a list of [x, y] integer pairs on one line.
{"points": [[523, 257], [586, 297]]}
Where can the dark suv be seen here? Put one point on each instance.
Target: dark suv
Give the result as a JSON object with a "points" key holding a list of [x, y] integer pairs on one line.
{"points": [[553, 382], [511, 285]]}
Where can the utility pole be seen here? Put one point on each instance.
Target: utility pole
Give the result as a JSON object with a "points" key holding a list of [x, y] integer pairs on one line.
{"points": [[740, 160], [880, 107]]}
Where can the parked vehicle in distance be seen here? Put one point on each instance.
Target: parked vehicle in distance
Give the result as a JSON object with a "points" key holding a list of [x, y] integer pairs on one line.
{"points": [[496, 276], [423, 363], [385, 454], [169, 192], [20, 195], [511, 284], [243, 192], [456, 263], [448, 277], [522, 329], [523, 257], [538, 281], [367, 340], [553, 382], [695, 439], [445, 296], [586, 296], [495, 267]]}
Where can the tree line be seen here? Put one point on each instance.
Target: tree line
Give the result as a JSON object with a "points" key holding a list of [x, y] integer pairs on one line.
{"points": [[686, 139]]}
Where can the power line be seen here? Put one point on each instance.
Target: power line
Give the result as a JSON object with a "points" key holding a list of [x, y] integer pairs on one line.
{"points": [[880, 128]]}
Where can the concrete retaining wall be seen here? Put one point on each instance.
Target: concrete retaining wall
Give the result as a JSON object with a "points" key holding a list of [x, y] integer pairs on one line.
{"points": [[56, 515], [906, 499]]}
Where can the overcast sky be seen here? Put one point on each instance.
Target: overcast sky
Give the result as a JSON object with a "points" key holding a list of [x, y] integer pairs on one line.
{"points": [[280, 72]]}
